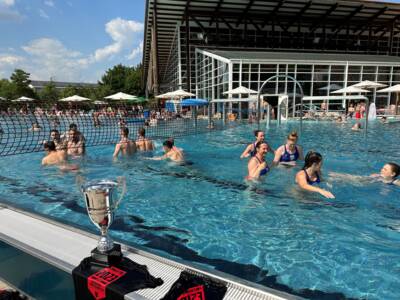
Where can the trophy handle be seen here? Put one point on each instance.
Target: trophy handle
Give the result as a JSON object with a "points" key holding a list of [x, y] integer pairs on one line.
{"points": [[122, 184], [79, 181]]}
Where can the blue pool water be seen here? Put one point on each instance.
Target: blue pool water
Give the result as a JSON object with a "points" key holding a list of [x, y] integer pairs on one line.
{"points": [[272, 233]]}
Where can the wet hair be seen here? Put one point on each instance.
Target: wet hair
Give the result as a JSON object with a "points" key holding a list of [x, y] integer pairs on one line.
{"points": [[256, 132], [171, 139], [54, 130], [168, 144], [49, 145], [395, 169], [258, 145], [73, 126], [311, 158], [125, 131], [142, 131], [292, 135]]}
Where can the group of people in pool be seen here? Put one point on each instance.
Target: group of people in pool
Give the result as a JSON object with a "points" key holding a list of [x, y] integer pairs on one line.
{"points": [[72, 145], [288, 154]]}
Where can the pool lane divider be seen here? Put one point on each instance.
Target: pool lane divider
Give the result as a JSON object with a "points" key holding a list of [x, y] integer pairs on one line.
{"points": [[66, 248]]}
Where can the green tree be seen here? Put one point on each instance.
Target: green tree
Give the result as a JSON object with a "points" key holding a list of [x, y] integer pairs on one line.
{"points": [[122, 79], [21, 80], [133, 80], [69, 91], [7, 89], [49, 93]]}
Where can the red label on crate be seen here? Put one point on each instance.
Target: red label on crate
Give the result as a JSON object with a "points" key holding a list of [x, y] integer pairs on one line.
{"points": [[98, 281], [194, 293]]}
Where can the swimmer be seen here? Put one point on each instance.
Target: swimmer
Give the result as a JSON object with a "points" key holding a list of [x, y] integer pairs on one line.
{"points": [[172, 140], [257, 165], [35, 127], [53, 156], [143, 143], [310, 175], [389, 174], [125, 146], [56, 138], [289, 153], [75, 146], [356, 127], [384, 120], [251, 149], [170, 153]]}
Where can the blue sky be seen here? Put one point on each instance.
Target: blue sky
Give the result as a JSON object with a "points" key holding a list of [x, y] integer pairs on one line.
{"points": [[71, 40]]}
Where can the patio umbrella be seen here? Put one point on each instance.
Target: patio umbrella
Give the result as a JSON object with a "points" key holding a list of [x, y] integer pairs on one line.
{"points": [[141, 99], [2, 99], [240, 90], [194, 102], [331, 87], [74, 98], [350, 90], [175, 94], [23, 99], [121, 96], [367, 84], [392, 89]]}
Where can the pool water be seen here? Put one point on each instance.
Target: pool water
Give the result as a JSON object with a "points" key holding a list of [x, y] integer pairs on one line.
{"points": [[270, 233]]}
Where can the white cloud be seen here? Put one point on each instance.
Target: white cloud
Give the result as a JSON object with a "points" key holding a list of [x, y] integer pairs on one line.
{"points": [[136, 51], [8, 3], [49, 3], [43, 14], [11, 60], [124, 33]]}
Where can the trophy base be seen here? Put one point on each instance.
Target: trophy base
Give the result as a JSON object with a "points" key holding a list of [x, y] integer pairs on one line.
{"points": [[109, 258]]}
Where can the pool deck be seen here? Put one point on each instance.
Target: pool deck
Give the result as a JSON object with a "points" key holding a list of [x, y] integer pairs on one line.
{"points": [[64, 247]]}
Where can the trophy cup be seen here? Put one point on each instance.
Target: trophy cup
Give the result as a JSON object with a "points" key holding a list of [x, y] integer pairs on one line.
{"points": [[101, 202]]}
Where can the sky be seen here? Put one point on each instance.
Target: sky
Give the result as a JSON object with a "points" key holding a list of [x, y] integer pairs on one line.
{"points": [[69, 40]]}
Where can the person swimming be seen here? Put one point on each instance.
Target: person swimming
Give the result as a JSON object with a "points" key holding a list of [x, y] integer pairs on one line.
{"points": [[310, 175], [171, 152], [251, 149], [356, 127], [126, 146], [290, 152], [389, 174], [257, 166], [143, 143], [56, 157], [75, 145]]}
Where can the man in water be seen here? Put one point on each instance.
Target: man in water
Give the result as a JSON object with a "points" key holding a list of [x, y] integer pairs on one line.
{"points": [[143, 143], [53, 156], [56, 138], [171, 152], [126, 146], [75, 146]]}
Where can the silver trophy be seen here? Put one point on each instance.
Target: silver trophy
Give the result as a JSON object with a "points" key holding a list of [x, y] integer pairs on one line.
{"points": [[101, 198]]}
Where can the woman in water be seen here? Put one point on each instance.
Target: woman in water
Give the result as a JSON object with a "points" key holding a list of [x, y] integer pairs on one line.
{"points": [[251, 149], [257, 165], [289, 153], [389, 174], [310, 175]]}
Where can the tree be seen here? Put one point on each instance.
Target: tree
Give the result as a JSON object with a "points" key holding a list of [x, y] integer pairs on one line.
{"points": [[122, 79], [20, 79], [49, 93], [133, 80], [7, 89]]}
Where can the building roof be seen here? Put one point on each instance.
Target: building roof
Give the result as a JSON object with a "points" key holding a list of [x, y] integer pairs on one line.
{"points": [[353, 16], [295, 56], [61, 84]]}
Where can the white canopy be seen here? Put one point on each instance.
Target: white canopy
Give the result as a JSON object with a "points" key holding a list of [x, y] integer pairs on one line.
{"points": [[367, 84], [97, 102], [176, 94], [240, 90], [23, 99], [229, 100], [352, 97], [331, 87], [74, 98], [391, 89], [2, 99], [350, 90], [121, 96]]}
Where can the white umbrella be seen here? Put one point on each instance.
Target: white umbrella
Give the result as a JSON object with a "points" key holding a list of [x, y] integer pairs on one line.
{"points": [[121, 96], [176, 94], [23, 99], [74, 98], [97, 102], [367, 84], [331, 87], [350, 90], [392, 89], [2, 99], [240, 90]]}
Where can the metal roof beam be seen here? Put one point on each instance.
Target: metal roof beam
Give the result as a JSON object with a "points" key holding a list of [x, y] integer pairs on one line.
{"points": [[300, 14], [274, 12], [216, 11], [368, 22], [347, 20], [246, 10], [315, 24]]}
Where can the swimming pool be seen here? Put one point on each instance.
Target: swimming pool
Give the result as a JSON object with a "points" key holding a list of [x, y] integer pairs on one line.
{"points": [[271, 234]]}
